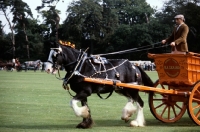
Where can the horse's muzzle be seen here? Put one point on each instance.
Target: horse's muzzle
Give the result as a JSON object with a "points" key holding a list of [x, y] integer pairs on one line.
{"points": [[48, 71]]}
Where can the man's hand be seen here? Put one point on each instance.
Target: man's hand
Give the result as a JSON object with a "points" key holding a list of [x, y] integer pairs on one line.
{"points": [[172, 44], [163, 41]]}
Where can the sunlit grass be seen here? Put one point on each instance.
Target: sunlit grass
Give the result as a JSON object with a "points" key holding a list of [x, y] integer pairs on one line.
{"points": [[36, 101]]}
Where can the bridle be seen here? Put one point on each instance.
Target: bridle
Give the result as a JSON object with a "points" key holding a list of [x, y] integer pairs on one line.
{"points": [[77, 62], [54, 53]]}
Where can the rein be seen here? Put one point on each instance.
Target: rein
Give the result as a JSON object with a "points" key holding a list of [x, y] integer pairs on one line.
{"points": [[134, 49]]}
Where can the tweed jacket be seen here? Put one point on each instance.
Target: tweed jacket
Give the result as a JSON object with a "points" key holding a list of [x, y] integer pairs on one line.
{"points": [[180, 38]]}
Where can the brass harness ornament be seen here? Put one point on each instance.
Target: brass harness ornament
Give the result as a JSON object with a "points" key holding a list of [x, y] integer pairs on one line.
{"points": [[67, 43]]}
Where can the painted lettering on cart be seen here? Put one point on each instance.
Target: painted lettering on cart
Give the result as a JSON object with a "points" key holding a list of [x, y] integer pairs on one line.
{"points": [[171, 67]]}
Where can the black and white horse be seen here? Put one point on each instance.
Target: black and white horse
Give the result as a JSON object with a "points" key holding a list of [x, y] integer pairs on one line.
{"points": [[78, 66], [32, 64]]}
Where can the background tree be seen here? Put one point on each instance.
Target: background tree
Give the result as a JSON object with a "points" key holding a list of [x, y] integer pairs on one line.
{"points": [[131, 12], [136, 27], [83, 25], [51, 20], [20, 11], [50, 27], [35, 35], [4, 43], [105, 25]]}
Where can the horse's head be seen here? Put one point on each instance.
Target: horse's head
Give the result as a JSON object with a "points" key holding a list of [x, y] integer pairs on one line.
{"points": [[61, 55], [54, 60]]}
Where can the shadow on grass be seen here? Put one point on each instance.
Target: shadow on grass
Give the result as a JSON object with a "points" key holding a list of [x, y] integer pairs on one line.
{"points": [[39, 127], [184, 122]]}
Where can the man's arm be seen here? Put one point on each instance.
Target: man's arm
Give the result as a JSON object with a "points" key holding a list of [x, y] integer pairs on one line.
{"points": [[183, 35], [169, 39]]}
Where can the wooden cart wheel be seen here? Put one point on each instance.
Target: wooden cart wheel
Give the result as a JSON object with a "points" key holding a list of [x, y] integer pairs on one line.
{"points": [[194, 104], [166, 108]]}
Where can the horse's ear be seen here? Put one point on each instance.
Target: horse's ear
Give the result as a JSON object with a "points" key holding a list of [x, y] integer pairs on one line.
{"points": [[60, 49]]}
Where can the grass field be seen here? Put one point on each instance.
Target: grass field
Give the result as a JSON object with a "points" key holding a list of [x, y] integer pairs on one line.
{"points": [[36, 101]]}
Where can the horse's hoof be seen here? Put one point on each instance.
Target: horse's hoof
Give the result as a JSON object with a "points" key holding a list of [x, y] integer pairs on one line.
{"points": [[81, 125], [135, 123], [87, 123], [125, 119]]}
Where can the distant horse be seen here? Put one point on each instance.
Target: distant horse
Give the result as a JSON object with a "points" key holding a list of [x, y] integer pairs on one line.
{"points": [[78, 65], [34, 64]]}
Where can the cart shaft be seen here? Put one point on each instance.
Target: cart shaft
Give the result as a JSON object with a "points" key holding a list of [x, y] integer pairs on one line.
{"points": [[134, 86]]}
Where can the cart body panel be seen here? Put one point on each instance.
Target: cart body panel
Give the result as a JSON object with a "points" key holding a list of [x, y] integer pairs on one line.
{"points": [[177, 69]]}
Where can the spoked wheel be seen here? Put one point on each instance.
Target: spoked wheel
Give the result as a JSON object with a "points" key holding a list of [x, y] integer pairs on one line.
{"points": [[194, 104], [167, 108]]}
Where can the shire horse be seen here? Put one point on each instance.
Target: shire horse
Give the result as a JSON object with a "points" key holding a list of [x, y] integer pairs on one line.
{"points": [[78, 65], [35, 64]]}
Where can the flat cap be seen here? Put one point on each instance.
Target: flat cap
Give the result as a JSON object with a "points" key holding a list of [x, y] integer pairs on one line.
{"points": [[180, 16]]}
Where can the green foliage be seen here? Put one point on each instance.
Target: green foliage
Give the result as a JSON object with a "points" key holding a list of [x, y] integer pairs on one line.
{"points": [[5, 46], [121, 37], [84, 22], [131, 11], [105, 25], [139, 35], [87, 21], [35, 34], [20, 11]]}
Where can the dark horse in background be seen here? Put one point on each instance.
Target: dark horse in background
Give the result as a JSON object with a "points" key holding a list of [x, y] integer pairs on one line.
{"points": [[78, 65], [34, 64]]}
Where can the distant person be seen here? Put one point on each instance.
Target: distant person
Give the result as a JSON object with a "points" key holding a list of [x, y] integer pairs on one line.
{"points": [[13, 61], [178, 38]]}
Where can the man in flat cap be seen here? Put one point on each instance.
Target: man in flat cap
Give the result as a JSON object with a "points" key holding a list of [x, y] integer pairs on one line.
{"points": [[178, 38]]}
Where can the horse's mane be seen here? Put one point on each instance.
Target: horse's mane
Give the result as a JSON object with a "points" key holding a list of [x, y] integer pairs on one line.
{"points": [[69, 50]]}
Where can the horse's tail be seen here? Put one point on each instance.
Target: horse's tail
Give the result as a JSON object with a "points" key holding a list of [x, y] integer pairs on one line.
{"points": [[145, 78]]}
